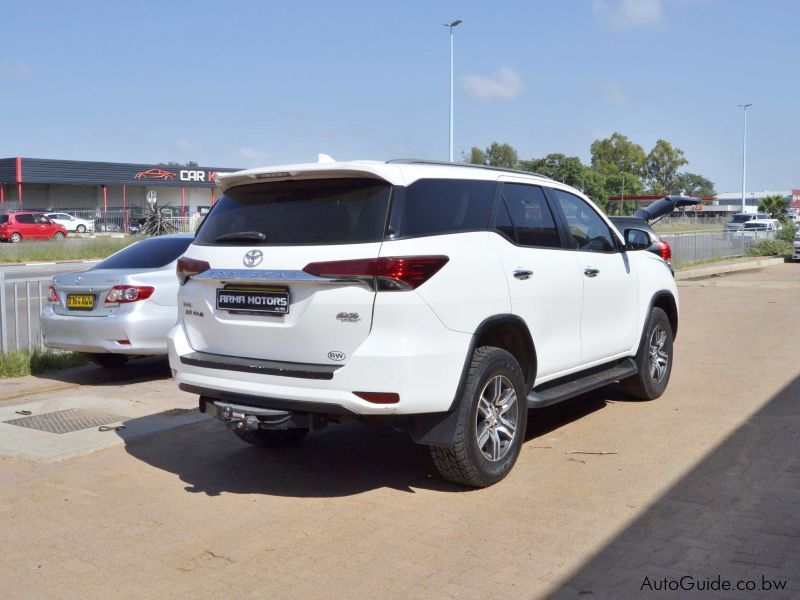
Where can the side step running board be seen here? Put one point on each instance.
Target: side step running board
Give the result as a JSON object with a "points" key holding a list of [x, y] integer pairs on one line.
{"points": [[553, 392]]}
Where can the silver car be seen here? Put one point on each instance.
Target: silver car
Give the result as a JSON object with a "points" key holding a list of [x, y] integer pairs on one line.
{"points": [[122, 307]]}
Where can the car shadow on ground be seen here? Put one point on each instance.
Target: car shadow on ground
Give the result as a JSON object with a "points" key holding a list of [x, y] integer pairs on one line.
{"points": [[735, 516], [148, 368], [340, 460]]}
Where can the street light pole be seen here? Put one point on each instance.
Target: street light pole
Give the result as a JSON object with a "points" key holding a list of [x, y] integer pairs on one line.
{"points": [[450, 26], [744, 154]]}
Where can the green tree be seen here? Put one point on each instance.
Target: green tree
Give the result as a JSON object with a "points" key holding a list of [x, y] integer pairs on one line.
{"points": [[502, 155], [693, 184], [618, 154], [661, 167], [566, 169], [775, 206], [496, 155], [476, 156], [192, 164]]}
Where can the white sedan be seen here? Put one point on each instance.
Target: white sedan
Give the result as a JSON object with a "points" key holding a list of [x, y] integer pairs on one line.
{"points": [[71, 223]]}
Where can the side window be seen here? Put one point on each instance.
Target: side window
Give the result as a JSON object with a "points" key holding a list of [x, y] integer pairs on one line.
{"points": [[531, 216], [26, 218], [588, 230], [502, 223], [41, 220], [437, 206]]}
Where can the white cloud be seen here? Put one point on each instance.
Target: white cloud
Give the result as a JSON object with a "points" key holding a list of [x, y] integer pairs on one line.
{"points": [[613, 93], [506, 84], [629, 14], [252, 154], [14, 68], [183, 144]]}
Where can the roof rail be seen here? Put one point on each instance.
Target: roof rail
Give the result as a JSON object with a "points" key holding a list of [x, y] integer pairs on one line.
{"points": [[442, 163]]}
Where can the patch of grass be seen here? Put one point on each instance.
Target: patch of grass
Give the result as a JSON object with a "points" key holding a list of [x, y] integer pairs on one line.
{"points": [[18, 363], [769, 248], [69, 249], [686, 227]]}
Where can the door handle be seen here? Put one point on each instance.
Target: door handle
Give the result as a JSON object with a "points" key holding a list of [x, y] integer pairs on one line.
{"points": [[591, 272], [523, 274]]}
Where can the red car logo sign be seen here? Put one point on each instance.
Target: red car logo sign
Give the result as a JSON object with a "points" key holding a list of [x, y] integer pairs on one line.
{"points": [[155, 174]]}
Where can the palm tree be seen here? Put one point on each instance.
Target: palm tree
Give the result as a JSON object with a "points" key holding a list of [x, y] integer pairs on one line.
{"points": [[775, 206]]}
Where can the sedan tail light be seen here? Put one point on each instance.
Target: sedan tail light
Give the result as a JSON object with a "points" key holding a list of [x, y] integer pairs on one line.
{"points": [[187, 267], [664, 250], [391, 273], [124, 294], [52, 296]]}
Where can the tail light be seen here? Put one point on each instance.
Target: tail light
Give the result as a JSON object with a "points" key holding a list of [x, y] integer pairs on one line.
{"points": [[123, 294], [664, 250], [391, 273], [52, 296], [187, 267]]}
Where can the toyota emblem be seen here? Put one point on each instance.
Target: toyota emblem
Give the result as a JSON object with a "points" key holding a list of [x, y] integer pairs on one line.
{"points": [[253, 258]]}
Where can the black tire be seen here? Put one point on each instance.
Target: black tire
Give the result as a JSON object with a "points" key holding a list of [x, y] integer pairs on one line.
{"points": [[654, 359], [272, 438], [14, 237], [58, 235], [108, 361], [467, 461], [80, 229]]}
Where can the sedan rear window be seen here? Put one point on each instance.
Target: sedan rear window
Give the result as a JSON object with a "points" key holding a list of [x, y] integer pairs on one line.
{"points": [[151, 253], [299, 212]]}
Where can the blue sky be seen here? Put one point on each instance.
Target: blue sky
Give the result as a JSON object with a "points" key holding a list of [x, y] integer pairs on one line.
{"points": [[250, 83]]}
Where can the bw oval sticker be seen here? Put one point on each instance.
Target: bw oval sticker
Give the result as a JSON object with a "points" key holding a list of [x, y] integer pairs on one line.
{"points": [[336, 355]]}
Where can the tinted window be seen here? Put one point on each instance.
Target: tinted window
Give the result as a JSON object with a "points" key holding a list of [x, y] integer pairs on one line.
{"points": [[151, 253], [740, 218], [532, 219], [435, 206], [316, 211], [587, 228], [502, 223], [41, 220], [3, 218], [26, 218]]}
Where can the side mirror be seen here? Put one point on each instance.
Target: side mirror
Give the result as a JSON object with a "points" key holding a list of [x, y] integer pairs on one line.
{"points": [[637, 239]]}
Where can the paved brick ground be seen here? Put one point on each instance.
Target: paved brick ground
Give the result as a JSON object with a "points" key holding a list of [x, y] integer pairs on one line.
{"points": [[704, 482]]}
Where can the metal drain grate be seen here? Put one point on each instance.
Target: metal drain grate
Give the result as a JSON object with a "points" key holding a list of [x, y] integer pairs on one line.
{"points": [[64, 421]]}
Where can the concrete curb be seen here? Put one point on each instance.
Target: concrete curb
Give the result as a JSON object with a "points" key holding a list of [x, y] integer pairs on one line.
{"points": [[729, 267]]}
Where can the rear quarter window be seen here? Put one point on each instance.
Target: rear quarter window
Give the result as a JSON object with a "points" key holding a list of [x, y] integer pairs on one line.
{"points": [[152, 253], [438, 206]]}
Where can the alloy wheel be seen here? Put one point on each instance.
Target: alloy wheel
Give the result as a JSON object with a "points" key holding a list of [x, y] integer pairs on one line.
{"points": [[497, 418]]}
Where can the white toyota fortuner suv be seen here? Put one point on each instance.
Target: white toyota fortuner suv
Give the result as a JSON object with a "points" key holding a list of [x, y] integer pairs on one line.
{"points": [[450, 297]]}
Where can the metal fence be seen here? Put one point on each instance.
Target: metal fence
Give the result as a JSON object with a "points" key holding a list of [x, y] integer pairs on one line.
{"points": [[699, 246], [125, 221], [21, 303]]}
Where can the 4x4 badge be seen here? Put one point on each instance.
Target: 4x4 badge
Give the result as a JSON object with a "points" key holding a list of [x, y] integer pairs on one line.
{"points": [[253, 258]]}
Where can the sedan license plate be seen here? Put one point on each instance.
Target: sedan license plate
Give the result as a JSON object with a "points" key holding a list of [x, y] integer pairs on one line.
{"points": [[274, 301], [80, 301]]}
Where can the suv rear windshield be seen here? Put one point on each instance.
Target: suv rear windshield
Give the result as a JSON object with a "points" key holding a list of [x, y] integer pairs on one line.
{"points": [[152, 253], [310, 211]]}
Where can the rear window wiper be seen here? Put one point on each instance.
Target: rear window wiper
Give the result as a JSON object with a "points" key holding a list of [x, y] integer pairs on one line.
{"points": [[242, 236]]}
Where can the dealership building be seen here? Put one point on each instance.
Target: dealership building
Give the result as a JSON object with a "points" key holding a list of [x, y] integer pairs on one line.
{"points": [[74, 186]]}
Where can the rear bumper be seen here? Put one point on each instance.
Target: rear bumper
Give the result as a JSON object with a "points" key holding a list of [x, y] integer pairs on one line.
{"points": [[419, 359], [146, 330]]}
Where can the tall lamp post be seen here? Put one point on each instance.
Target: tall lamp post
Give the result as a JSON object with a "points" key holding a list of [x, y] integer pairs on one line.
{"points": [[744, 154], [450, 26]]}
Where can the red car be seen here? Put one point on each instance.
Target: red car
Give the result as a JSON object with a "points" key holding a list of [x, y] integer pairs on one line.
{"points": [[18, 225], [155, 174]]}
